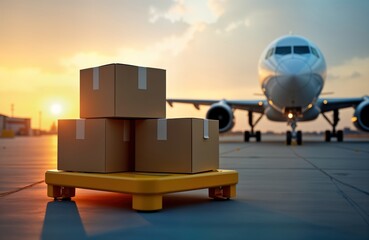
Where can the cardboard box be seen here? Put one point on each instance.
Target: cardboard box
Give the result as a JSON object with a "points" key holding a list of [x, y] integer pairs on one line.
{"points": [[96, 145], [184, 145], [125, 91]]}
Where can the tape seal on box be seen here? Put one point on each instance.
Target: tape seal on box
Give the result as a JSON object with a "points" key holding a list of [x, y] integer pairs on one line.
{"points": [[95, 78], [142, 78], [206, 129], [80, 129], [162, 130], [126, 131]]}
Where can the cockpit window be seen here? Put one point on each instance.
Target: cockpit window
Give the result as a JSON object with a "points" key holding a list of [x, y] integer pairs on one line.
{"points": [[301, 50], [283, 50], [315, 52], [269, 53]]}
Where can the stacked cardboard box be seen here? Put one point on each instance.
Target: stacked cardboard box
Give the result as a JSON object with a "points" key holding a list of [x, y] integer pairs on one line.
{"points": [[122, 91], [96, 145], [183, 145], [123, 127]]}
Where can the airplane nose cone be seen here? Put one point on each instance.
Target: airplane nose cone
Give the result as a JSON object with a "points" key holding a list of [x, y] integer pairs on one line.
{"points": [[293, 74]]}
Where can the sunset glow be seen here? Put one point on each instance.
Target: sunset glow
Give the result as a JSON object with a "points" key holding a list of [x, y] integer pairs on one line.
{"points": [[210, 50], [56, 109]]}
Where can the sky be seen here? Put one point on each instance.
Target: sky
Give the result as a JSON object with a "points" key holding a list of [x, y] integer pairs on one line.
{"points": [[209, 48]]}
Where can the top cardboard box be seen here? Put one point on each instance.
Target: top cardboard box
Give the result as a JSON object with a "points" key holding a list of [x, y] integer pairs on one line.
{"points": [[123, 91]]}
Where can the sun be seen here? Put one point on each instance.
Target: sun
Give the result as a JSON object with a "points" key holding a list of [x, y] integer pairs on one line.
{"points": [[56, 109]]}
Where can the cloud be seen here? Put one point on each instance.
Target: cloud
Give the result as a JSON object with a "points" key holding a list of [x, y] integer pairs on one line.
{"points": [[176, 44], [332, 76], [349, 78], [354, 75], [167, 47], [190, 12], [217, 6], [236, 24], [354, 68], [196, 15], [344, 75]]}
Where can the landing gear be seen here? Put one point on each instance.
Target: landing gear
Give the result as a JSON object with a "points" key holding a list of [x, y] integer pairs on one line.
{"points": [[258, 136], [288, 137], [248, 134], [299, 137], [293, 134], [327, 136], [338, 135], [333, 134]]}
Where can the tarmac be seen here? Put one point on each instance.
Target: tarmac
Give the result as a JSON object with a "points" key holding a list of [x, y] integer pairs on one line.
{"points": [[314, 191]]}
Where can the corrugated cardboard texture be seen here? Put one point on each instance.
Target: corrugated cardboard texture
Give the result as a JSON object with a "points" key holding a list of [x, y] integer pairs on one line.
{"points": [[119, 95], [184, 151], [205, 151], [100, 102], [102, 150]]}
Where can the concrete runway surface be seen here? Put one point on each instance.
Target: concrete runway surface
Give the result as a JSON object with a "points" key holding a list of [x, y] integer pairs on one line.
{"points": [[314, 191]]}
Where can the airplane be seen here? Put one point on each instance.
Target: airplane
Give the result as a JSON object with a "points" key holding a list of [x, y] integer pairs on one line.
{"points": [[292, 72]]}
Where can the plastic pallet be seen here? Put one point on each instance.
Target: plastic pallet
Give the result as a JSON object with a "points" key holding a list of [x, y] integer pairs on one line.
{"points": [[147, 189]]}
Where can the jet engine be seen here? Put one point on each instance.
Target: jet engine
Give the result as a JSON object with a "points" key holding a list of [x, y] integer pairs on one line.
{"points": [[223, 112], [361, 116]]}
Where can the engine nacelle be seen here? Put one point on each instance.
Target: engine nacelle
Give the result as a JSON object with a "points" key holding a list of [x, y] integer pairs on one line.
{"points": [[361, 116], [223, 112]]}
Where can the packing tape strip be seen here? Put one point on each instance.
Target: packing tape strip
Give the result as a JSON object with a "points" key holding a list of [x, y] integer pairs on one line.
{"points": [[126, 130], [80, 129], [142, 78], [95, 78], [206, 129], [162, 130]]}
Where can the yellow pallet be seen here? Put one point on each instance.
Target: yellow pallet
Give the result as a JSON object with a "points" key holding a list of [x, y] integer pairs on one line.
{"points": [[147, 189]]}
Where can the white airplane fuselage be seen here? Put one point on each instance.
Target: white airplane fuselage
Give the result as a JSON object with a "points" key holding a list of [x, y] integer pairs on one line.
{"points": [[292, 72]]}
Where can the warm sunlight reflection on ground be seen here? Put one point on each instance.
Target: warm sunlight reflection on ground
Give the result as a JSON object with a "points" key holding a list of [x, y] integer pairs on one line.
{"points": [[31, 157]]}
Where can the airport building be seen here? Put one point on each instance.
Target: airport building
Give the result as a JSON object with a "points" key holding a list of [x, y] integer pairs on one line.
{"points": [[14, 126], [2, 122]]}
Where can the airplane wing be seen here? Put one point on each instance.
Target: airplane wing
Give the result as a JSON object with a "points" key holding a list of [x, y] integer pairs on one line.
{"points": [[248, 105], [325, 104], [329, 104]]}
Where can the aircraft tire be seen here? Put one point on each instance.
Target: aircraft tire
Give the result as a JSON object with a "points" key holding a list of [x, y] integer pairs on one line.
{"points": [[246, 136], [288, 137], [258, 136], [339, 136], [299, 138], [327, 136]]}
